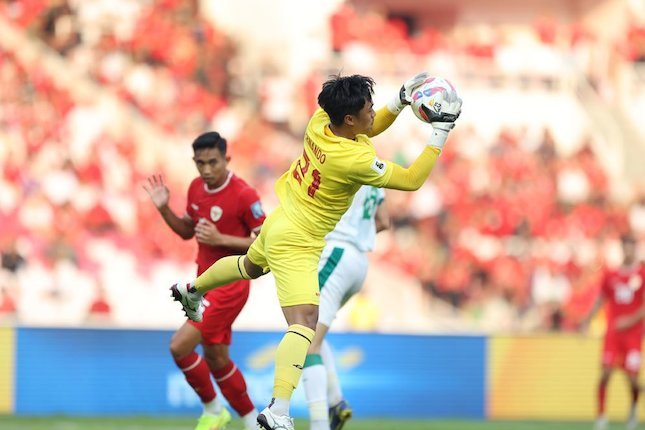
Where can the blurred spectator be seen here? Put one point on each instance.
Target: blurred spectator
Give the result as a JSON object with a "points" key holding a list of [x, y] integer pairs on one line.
{"points": [[59, 28], [502, 234], [12, 259], [363, 314], [550, 289], [637, 215], [7, 303], [99, 310]]}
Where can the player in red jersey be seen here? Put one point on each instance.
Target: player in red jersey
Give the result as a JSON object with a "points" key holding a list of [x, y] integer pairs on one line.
{"points": [[223, 213], [622, 293]]}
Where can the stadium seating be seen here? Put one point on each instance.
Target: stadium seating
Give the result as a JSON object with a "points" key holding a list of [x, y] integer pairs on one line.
{"points": [[507, 235]]}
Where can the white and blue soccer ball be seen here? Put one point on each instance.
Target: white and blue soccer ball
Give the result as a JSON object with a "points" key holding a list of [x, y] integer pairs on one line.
{"points": [[428, 97]]}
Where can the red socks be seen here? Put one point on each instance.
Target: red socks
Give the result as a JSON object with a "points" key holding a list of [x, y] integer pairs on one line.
{"points": [[602, 394], [233, 387], [198, 375], [229, 379]]}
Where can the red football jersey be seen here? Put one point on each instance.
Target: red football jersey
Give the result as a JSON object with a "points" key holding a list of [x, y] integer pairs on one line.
{"points": [[234, 208], [623, 291]]}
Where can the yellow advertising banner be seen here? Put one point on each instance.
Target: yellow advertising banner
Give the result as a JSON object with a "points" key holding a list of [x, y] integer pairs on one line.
{"points": [[550, 377], [6, 369]]}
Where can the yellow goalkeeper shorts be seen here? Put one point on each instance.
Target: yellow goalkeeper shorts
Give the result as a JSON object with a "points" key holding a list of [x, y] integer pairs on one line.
{"points": [[292, 256]]}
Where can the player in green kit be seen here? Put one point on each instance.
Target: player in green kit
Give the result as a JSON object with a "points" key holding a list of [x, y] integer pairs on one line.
{"points": [[338, 157]]}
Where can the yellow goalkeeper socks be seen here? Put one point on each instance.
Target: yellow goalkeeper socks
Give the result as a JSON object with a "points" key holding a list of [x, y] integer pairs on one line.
{"points": [[290, 358], [222, 272]]}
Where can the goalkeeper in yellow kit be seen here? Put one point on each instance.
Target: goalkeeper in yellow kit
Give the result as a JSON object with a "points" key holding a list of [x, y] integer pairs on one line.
{"points": [[338, 157]]}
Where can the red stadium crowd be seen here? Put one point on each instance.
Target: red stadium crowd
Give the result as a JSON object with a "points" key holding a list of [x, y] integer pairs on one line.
{"points": [[512, 238]]}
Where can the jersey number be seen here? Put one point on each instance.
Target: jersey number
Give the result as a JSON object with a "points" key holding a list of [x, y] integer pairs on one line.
{"points": [[299, 172], [370, 204]]}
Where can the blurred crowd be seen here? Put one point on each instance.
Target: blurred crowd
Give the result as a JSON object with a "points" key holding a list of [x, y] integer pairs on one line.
{"points": [[544, 46], [510, 233]]}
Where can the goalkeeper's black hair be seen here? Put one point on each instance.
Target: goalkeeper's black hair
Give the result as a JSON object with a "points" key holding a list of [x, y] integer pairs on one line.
{"points": [[345, 95], [210, 140]]}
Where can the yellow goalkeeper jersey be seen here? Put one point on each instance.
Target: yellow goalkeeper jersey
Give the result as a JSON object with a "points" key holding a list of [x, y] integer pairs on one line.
{"points": [[320, 185]]}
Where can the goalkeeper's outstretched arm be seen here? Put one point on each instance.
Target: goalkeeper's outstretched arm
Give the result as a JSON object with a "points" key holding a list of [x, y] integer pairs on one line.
{"points": [[383, 119], [386, 115], [413, 177]]}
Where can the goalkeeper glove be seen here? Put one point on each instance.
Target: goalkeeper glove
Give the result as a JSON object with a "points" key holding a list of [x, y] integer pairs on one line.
{"points": [[444, 121], [404, 97]]}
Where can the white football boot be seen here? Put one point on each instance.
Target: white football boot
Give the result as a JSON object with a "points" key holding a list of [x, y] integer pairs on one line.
{"points": [[602, 423], [186, 294], [632, 420], [267, 420]]}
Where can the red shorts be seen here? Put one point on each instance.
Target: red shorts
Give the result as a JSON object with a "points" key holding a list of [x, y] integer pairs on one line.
{"points": [[622, 351], [222, 306]]}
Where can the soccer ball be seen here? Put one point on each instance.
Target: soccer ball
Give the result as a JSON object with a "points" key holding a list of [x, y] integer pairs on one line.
{"points": [[428, 97]]}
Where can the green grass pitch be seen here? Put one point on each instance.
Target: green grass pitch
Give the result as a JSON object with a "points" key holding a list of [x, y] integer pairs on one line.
{"points": [[167, 423]]}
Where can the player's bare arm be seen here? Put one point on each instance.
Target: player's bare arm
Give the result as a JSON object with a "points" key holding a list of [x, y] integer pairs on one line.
{"points": [[627, 321], [584, 324], [160, 195], [382, 218]]}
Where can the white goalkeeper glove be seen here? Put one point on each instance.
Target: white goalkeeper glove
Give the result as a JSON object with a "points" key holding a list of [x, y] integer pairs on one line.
{"points": [[404, 97], [445, 120]]}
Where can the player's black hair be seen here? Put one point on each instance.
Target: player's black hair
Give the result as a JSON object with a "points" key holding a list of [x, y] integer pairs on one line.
{"points": [[345, 95], [209, 140]]}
